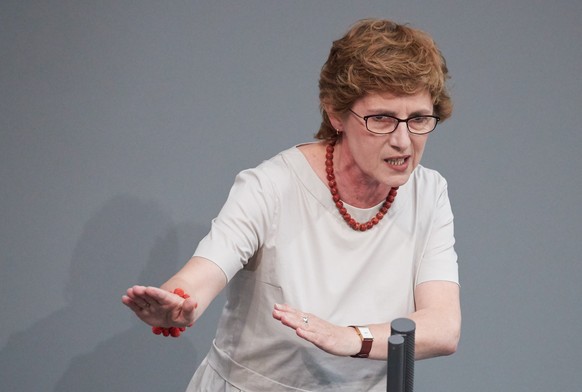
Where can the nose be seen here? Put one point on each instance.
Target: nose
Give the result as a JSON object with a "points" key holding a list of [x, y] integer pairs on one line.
{"points": [[400, 138]]}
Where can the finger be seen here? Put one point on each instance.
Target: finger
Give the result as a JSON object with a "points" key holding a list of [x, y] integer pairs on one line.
{"points": [[304, 321], [306, 334], [161, 296], [278, 312], [131, 304], [188, 310], [137, 294], [294, 321], [152, 296], [282, 307], [131, 292], [288, 311], [285, 308]]}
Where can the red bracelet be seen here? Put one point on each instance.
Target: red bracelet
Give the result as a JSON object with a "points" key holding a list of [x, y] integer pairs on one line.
{"points": [[172, 331]]}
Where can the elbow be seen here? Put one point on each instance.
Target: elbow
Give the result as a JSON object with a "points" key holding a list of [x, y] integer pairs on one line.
{"points": [[449, 348], [440, 343], [443, 348], [450, 341]]}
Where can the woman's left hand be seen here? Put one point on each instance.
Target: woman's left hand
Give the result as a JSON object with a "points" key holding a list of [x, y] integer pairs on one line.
{"points": [[333, 339]]}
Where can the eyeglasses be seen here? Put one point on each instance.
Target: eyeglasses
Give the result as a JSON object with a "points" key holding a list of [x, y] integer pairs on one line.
{"points": [[383, 124]]}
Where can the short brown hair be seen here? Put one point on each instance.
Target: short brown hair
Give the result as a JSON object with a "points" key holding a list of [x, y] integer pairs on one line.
{"points": [[378, 56]]}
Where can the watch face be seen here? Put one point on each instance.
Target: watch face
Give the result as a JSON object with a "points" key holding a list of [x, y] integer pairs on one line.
{"points": [[366, 334]]}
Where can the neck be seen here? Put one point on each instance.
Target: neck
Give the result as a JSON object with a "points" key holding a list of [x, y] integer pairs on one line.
{"points": [[339, 203], [358, 190]]}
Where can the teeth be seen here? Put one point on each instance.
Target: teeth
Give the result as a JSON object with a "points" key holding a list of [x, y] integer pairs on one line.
{"points": [[396, 162]]}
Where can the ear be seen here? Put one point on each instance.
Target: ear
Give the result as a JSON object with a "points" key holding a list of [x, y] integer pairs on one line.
{"points": [[335, 118]]}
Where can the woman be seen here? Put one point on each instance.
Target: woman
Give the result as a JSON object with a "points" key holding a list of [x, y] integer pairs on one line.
{"points": [[327, 242]]}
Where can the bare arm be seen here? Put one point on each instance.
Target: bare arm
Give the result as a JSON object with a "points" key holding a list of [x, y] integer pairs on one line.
{"points": [[200, 278], [437, 318]]}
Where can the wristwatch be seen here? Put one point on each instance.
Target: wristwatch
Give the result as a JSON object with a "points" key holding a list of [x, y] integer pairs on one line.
{"points": [[367, 340]]}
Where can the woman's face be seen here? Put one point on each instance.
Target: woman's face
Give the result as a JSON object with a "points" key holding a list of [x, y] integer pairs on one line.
{"points": [[382, 159]]}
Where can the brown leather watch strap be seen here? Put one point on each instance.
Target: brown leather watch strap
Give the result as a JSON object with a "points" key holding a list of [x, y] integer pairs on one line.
{"points": [[367, 340]]}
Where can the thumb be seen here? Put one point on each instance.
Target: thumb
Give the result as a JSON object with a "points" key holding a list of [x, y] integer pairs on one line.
{"points": [[188, 309]]}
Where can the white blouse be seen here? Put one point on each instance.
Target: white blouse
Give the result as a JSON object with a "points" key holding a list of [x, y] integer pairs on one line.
{"points": [[280, 239]]}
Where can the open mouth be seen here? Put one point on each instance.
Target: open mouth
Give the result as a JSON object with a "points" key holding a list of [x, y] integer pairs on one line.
{"points": [[395, 161]]}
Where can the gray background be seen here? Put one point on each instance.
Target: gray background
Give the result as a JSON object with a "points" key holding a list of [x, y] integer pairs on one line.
{"points": [[123, 124]]}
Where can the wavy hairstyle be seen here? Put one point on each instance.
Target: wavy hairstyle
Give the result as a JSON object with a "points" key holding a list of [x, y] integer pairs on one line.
{"points": [[378, 56]]}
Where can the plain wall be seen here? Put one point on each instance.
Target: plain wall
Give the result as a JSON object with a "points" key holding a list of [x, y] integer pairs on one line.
{"points": [[123, 124]]}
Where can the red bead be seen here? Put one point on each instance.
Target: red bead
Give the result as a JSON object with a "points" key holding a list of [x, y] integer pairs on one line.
{"points": [[340, 205], [173, 331], [179, 292]]}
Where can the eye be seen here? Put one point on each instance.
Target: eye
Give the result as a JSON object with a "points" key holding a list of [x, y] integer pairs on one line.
{"points": [[420, 120], [380, 118]]}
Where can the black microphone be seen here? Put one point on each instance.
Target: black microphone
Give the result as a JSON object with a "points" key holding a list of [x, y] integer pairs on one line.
{"points": [[406, 328], [395, 364]]}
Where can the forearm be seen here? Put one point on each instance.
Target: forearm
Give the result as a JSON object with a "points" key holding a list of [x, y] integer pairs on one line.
{"points": [[434, 336], [437, 319], [201, 279]]}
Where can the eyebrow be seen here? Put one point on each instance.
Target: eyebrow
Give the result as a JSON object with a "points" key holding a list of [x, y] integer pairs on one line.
{"points": [[420, 112]]}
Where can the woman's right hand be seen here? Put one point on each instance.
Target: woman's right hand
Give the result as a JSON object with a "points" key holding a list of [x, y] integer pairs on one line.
{"points": [[160, 308]]}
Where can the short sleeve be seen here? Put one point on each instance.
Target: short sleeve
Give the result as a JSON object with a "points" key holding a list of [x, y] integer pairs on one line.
{"points": [[242, 224], [439, 259]]}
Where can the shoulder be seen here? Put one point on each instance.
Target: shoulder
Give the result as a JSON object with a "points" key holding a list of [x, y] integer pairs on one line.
{"points": [[293, 159], [278, 165], [426, 188], [314, 153], [274, 172], [425, 178]]}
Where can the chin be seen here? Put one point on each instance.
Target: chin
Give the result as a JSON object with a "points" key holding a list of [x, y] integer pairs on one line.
{"points": [[398, 179]]}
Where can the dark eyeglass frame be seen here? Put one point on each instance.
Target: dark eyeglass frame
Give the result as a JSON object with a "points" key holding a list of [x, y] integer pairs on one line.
{"points": [[399, 120]]}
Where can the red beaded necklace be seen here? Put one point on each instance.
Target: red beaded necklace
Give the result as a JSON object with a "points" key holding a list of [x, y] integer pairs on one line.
{"points": [[340, 205]]}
